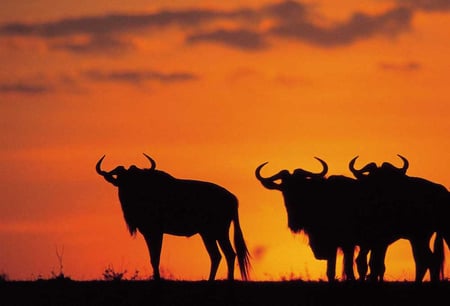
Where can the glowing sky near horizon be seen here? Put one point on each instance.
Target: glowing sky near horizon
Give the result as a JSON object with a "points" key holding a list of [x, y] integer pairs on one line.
{"points": [[209, 90]]}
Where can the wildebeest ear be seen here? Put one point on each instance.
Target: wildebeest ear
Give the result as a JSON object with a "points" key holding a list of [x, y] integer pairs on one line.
{"points": [[300, 173], [284, 174], [118, 170]]}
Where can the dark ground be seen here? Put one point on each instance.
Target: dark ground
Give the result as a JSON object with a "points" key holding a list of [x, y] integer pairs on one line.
{"points": [[200, 293]]}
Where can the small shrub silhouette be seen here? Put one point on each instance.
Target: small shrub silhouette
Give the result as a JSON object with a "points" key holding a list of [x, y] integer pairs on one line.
{"points": [[110, 274], [4, 277], [60, 275]]}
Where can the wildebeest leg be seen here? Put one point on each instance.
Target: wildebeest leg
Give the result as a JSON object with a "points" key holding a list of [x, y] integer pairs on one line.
{"points": [[154, 244], [422, 256], [214, 254], [348, 262], [361, 262], [376, 262], [331, 267], [230, 255]]}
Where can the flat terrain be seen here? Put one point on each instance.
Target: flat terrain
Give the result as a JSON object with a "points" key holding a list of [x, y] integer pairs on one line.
{"points": [[200, 293]]}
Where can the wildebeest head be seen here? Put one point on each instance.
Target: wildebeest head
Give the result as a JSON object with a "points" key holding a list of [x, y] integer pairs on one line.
{"points": [[296, 188], [134, 186], [386, 170], [286, 178], [119, 175]]}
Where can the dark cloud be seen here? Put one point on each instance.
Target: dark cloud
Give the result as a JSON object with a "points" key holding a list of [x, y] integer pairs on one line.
{"points": [[24, 88], [287, 11], [407, 66], [136, 77], [106, 32], [242, 39], [296, 26], [120, 23], [289, 19], [426, 5], [359, 26]]}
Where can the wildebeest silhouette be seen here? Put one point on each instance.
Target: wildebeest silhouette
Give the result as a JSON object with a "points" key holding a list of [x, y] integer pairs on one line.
{"points": [[400, 206], [154, 203], [322, 208]]}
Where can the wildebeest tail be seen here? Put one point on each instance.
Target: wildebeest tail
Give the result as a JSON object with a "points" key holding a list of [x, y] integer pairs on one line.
{"points": [[242, 252]]}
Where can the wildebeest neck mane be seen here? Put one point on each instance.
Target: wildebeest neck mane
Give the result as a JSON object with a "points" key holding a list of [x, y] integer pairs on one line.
{"points": [[140, 183]]}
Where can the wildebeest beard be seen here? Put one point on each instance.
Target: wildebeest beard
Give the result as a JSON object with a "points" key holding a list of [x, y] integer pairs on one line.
{"points": [[295, 221]]}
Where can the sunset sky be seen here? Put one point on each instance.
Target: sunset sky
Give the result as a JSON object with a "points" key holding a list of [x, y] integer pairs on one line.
{"points": [[210, 90]]}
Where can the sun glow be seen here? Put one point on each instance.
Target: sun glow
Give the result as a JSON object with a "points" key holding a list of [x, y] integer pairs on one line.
{"points": [[210, 92]]}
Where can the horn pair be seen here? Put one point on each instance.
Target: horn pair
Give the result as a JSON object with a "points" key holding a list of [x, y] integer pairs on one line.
{"points": [[112, 172], [372, 166], [269, 182]]}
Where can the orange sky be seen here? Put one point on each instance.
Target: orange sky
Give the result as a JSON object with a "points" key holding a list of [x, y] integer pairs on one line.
{"points": [[209, 91]]}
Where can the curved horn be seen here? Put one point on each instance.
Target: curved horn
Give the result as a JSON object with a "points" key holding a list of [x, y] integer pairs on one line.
{"points": [[405, 164], [351, 166], [325, 168], [98, 167], [359, 174], [108, 176], [268, 182], [152, 162]]}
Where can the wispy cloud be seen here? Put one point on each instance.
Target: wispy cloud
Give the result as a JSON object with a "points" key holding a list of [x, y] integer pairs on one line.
{"points": [[242, 39], [24, 88], [95, 44], [405, 66], [75, 82], [139, 76], [426, 5]]}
